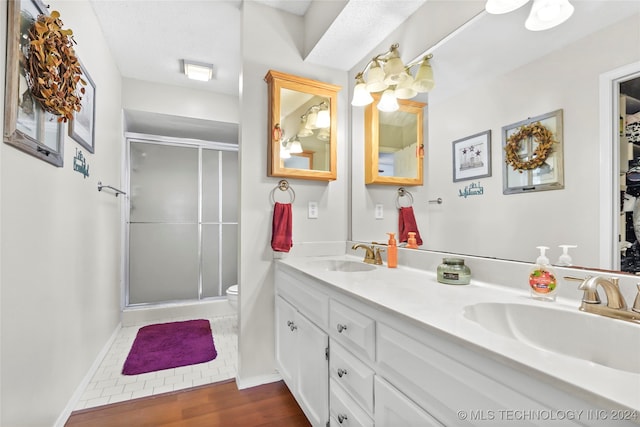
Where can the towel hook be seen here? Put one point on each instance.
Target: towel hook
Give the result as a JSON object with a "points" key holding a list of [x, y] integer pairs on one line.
{"points": [[402, 192], [283, 185]]}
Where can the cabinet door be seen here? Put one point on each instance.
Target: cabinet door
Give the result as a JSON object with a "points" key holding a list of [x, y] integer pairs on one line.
{"points": [[313, 371], [395, 409], [286, 351]]}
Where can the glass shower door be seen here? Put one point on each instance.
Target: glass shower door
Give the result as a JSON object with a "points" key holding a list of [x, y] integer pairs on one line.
{"points": [[163, 223]]}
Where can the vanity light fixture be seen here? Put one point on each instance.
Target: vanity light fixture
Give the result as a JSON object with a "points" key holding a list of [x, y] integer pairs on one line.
{"points": [[498, 7], [316, 117], [198, 70], [544, 14], [547, 14], [386, 72]]}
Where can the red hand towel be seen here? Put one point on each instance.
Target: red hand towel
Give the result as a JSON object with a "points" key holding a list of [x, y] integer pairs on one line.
{"points": [[281, 230], [407, 223]]}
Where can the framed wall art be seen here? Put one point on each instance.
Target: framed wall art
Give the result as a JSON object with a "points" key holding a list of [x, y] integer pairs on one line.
{"points": [[533, 154], [472, 157], [27, 126], [82, 127]]}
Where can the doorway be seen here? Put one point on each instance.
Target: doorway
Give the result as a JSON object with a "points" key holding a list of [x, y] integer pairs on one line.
{"points": [[629, 229], [181, 220]]}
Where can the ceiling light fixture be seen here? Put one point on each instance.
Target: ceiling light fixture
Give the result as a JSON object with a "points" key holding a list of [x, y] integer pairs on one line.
{"points": [[386, 72], [198, 70], [544, 14]]}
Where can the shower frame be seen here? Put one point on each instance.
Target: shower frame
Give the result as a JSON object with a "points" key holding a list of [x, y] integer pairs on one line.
{"points": [[200, 145]]}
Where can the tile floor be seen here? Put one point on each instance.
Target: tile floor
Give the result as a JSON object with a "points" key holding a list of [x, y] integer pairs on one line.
{"points": [[108, 385]]}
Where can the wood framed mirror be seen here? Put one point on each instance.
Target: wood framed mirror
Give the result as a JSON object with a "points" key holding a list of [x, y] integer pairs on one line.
{"points": [[302, 127], [394, 144]]}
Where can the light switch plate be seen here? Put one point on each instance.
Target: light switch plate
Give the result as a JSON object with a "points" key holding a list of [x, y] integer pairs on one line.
{"points": [[379, 211], [313, 210]]}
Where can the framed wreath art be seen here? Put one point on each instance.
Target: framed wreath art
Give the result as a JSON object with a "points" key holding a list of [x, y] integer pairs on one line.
{"points": [[42, 78], [53, 70], [533, 154]]}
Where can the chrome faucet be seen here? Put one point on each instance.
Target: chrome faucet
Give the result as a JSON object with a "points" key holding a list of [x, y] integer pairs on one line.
{"points": [[616, 306], [369, 257]]}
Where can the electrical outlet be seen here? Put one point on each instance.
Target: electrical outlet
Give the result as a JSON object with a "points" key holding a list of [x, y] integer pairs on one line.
{"points": [[379, 212], [313, 210]]}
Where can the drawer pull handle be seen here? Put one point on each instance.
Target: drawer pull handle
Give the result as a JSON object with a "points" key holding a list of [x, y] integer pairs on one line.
{"points": [[342, 372], [341, 328], [341, 418]]}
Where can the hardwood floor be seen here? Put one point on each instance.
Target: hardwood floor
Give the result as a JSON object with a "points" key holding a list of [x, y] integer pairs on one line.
{"points": [[219, 404]]}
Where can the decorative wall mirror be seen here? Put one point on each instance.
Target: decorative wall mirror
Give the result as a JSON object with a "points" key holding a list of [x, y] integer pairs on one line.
{"points": [[394, 147], [27, 126], [302, 127]]}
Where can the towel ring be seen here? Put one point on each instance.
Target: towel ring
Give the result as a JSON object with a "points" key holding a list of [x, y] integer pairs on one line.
{"points": [[402, 192], [283, 185]]}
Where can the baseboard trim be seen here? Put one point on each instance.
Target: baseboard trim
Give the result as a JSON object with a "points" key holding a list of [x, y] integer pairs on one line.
{"points": [[243, 383], [75, 398]]}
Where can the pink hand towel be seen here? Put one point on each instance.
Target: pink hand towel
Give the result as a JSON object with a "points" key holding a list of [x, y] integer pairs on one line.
{"points": [[407, 223], [281, 229]]}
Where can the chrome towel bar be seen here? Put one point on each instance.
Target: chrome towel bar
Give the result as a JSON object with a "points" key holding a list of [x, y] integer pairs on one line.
{"points": [[116, 191]]}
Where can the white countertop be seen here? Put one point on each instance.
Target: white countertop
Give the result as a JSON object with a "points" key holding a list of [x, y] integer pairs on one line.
{"points": [[417, 296]]}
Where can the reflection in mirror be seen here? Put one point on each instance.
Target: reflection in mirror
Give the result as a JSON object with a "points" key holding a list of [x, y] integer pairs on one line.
{"points": [[487, 81], [302, 127], [629, 134], [306, 133], [394, 147]]}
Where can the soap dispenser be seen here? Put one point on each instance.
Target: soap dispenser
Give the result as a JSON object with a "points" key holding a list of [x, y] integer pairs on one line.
{"points": [[564, 260], [542, 279], [392, 251], [412, 243]]}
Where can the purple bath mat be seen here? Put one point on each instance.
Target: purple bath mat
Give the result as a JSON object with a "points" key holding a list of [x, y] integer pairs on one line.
{"points": [[169, 345]]}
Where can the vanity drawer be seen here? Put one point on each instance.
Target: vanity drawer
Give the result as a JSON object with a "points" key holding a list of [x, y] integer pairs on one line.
{"points": [[426, 369], [352, 374], [352, 329], [344, 410], [394, 409], [304, 296]]}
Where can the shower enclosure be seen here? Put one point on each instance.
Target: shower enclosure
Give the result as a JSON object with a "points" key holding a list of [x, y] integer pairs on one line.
{"points": [[182, 220]]}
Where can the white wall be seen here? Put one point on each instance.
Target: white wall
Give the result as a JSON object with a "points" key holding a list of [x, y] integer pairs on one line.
{"points": [[178, 101], [60, 281], [566, 79], [423, 29], [273, 40], [498, 225]]}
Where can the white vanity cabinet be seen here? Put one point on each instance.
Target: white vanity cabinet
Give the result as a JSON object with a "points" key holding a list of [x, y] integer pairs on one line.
{"points": [[302, 347], [386, 369]]}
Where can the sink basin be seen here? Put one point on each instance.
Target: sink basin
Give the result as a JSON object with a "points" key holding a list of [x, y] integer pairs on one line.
{"points": [[341, 265], [608, 342]]}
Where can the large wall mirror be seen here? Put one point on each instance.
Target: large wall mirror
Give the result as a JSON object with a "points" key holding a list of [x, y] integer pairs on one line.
{"points": [[485, 81], [302, 127], [394, 145]]}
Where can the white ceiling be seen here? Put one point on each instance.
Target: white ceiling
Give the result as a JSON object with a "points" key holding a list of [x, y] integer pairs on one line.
{"points": [[149, 38]]}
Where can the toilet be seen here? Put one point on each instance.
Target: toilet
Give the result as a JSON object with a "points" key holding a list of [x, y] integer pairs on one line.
{"points": [[232, 296]]}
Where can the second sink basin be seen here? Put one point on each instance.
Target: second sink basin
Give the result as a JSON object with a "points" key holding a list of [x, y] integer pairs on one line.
{"points": [[608, 342], [341, 265]]}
